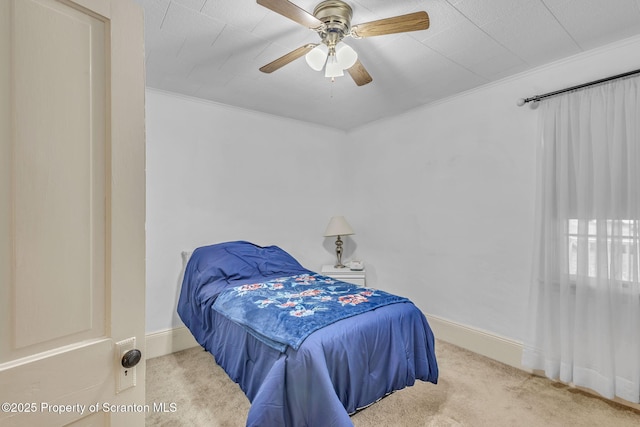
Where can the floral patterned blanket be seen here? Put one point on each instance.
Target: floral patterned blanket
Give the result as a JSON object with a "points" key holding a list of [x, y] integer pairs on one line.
{"points": [[283, 311]]}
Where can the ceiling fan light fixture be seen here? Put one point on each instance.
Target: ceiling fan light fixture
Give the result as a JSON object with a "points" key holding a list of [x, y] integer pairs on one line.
{"points": [[345, 55], [331, 20], [317, 57]]}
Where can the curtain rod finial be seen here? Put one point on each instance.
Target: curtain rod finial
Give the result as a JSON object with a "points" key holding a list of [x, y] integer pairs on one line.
{"points": [[520, 102]]}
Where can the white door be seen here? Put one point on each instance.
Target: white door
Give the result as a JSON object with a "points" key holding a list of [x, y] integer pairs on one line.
{"points": [[72, 193]]}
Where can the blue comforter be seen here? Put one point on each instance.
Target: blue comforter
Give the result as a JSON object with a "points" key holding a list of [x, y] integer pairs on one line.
{"points": [[284, 311], [334, 371]]}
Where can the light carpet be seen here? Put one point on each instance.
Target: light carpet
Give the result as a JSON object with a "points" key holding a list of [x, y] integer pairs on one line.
{"points": [[472, 391]]}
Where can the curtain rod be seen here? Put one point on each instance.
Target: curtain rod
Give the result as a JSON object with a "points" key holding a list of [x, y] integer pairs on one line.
{"points": [[537, 98]]}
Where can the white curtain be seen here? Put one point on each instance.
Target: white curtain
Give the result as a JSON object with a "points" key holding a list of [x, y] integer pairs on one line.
{"points": [[584, 306]]}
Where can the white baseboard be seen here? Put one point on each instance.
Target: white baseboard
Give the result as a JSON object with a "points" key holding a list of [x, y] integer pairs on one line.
{"points": [[478, 341], [166, 342], [495, 347]]}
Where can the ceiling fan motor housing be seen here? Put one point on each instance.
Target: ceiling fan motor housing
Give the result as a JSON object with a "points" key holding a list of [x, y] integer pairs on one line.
{"points": [[336, 15]]}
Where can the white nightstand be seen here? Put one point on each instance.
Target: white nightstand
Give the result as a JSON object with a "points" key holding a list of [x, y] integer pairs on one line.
{"points": [[344, 274]]}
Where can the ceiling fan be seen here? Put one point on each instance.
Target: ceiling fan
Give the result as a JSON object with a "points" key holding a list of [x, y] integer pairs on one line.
{"points": [[331, 19]]}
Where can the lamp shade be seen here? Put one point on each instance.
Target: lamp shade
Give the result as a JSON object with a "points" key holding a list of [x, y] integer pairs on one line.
{"points": [[317, 57], [333, 69], [338, 226], [345, 55]]}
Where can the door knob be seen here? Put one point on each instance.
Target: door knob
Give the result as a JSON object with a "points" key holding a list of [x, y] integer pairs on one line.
{"points": [[131, 358]]}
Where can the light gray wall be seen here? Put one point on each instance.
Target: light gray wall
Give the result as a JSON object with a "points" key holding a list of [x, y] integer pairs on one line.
{"points": [[452, 186], [441, 198], [216, 173]]}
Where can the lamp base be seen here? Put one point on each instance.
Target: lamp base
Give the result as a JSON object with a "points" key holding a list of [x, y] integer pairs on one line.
{"points": [[339, 253]]}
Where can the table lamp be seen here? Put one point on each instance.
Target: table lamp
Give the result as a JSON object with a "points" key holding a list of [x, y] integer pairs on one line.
{"points": [[338, 226]]}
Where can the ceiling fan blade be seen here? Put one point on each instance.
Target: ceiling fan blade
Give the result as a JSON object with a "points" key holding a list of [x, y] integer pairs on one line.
{"points": [[289, 57], [359, 74], [291, 11], [398, 24]]}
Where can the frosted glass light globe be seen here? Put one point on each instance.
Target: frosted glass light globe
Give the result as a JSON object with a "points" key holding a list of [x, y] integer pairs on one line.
{"points": [[333, 68], [317, 57], [345, 55]]}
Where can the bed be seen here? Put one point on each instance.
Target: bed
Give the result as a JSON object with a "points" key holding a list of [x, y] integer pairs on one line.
{"points": [[307, 350]]}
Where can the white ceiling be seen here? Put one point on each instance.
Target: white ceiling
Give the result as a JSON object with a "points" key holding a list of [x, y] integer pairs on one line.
{"points": [[212, 49]]}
